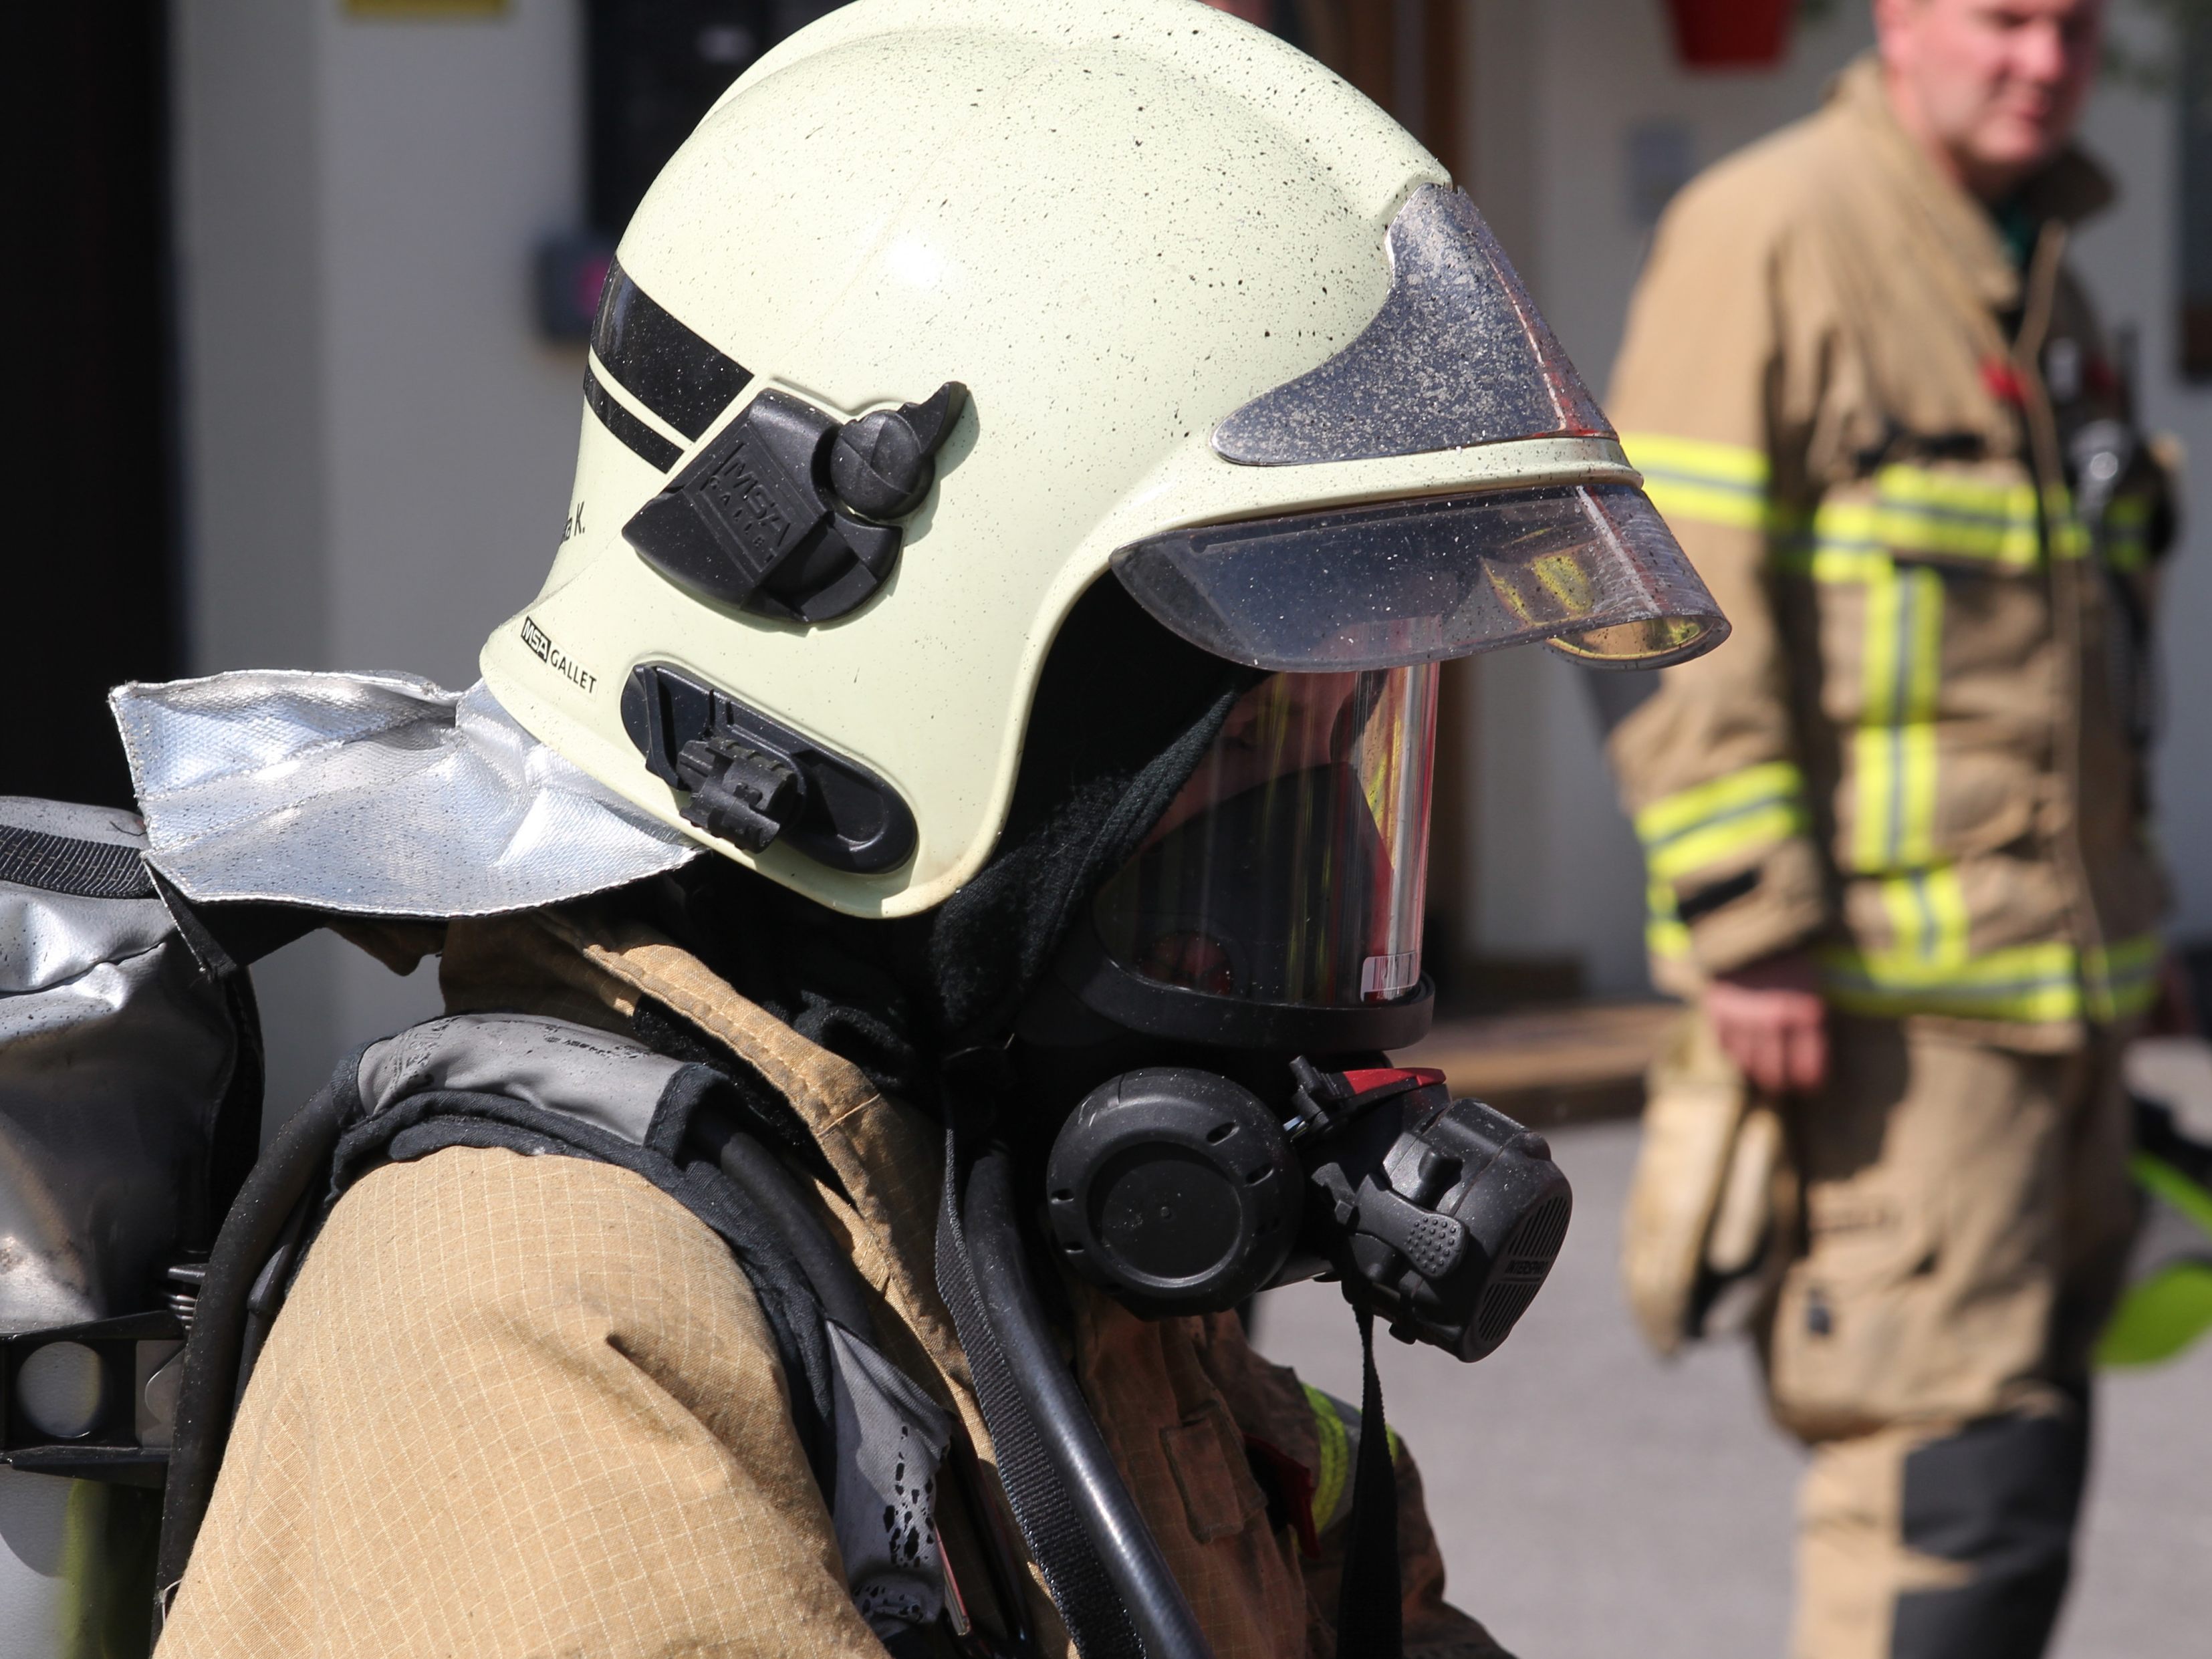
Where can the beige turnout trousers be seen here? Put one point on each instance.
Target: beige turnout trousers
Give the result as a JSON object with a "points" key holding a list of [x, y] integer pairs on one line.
{"points": [[1965, 1217]]}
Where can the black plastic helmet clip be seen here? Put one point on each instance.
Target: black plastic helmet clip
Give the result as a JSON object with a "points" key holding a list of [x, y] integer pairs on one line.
{"points": [[768, 515]]}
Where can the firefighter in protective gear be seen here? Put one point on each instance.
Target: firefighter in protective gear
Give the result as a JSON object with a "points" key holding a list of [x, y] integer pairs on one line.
{"points": [[1895, 829], [998, 622]]}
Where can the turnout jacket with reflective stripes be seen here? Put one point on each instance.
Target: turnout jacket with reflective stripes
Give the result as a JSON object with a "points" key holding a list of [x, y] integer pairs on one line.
{"points": [[1919, 753], [530, 1404]]}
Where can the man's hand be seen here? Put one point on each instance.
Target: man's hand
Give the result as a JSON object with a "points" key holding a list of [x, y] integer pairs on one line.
{"points": [[1771, 1021]]}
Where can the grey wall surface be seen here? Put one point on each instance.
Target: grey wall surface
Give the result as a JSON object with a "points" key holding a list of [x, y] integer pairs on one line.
{"points": [[2130, 259], [378, 446]]}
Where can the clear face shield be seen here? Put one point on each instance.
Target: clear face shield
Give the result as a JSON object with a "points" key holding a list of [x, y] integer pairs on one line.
{"points": [[1290, 869]]}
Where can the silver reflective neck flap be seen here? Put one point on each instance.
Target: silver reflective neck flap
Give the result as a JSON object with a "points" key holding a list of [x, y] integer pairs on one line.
{"points": [[371, 794], [1457, 355]]}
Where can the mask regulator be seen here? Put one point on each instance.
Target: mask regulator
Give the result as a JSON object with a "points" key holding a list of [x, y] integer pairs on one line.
{"points": [[1179, 1192]]}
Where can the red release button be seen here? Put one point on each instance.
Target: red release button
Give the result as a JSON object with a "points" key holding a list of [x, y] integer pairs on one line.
{"points": [[1383, 1076]]}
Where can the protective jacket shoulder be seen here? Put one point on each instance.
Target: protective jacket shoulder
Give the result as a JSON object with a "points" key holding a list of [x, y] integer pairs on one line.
{"points": [[581, 1356]]}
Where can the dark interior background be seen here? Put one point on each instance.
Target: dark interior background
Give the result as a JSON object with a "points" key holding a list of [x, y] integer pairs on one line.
{"points": [[91, 557]]}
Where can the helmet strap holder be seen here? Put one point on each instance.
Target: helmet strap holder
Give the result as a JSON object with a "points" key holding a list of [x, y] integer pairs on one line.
{"points": [[769, 516], [753, 781]]}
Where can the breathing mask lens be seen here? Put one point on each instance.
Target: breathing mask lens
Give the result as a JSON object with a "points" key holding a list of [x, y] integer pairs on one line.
{"points": [[1291, 867]]}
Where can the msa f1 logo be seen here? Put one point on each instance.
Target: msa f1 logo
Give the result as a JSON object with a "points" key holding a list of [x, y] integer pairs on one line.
{"points": [[542, 647]]}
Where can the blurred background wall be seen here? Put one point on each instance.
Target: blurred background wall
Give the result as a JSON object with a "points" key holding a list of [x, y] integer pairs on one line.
{"points": [[307, 328]]}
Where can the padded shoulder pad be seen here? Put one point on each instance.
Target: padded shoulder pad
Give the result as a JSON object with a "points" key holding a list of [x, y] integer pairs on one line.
{"points": [[612, 1083]]}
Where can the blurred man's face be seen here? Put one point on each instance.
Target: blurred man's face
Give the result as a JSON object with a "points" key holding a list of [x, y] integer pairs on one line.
{"points": [[1990, 87]]}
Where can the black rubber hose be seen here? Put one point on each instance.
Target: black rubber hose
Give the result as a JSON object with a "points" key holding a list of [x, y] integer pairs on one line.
{"points": [[265, 1299], [837, 1283], [1127, 1550], [206, 1401]]}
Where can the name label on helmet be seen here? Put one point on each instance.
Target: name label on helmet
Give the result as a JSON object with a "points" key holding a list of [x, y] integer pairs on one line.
{"points": [[553, 657]]}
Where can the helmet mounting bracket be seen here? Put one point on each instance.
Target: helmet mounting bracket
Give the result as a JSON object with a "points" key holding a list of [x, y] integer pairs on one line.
{"points": [[755, 520]]}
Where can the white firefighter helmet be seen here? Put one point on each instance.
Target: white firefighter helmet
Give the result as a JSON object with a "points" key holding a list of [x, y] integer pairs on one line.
{"points": [[948, 309]]}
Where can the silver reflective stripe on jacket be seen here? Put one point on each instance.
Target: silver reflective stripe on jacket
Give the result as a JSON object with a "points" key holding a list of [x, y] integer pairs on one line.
{"points": [[371, 794]]}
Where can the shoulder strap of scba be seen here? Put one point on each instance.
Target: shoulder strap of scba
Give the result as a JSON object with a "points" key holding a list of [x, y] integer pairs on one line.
{"points": [[538, 1085]]}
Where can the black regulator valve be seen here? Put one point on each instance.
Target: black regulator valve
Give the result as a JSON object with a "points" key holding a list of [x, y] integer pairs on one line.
{"points": [[1175, 1189], [1442, 1215]]}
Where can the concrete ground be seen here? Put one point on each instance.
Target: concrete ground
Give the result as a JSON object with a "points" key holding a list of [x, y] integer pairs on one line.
{"points": [[1594, 1502]]}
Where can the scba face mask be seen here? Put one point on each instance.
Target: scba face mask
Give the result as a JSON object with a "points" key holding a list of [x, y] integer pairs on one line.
{"points": [[1290, 869], [1276, 905]]}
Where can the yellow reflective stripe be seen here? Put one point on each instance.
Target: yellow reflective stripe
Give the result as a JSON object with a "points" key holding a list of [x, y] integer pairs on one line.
{"points": [[1893, 750], [1738, 465], [1943, 514], [2127, 534], [1693, 478], [1331, 1478], [1922, 510], [1708, 822], [1833, 564], [1667, 939], [2033, 984], [1729, 839], [1336, 1433], [1665, 935], [1927, 971], [1928, 918], [1733, 792], [2123, 979]]}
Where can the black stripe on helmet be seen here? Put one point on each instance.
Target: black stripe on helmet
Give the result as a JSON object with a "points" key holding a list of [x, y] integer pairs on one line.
{"points": [[667, 367], [656, 451]]}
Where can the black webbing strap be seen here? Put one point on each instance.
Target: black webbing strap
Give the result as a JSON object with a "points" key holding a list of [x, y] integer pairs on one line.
{"points": [[1043, 1508], [1370, 1621], [80, 869]]}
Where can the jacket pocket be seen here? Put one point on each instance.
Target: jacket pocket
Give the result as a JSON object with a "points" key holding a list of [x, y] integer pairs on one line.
{"points": [[1206, 1453]]}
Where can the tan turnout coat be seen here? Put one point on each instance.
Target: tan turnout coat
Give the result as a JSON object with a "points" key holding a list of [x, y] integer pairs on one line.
{"points": [[530, 1405], [1850, 404]]}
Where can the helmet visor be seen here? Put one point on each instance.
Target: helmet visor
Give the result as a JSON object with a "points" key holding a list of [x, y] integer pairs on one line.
{"points": [[1589, 569], [1290, 868], [1457, 355]]}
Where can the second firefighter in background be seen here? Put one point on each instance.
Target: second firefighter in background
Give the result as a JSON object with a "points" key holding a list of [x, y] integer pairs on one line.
{"points": [[1895, 828]]}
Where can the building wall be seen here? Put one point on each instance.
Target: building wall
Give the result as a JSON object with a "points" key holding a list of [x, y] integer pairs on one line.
{"points": [[2130, 259], [377, 447]]}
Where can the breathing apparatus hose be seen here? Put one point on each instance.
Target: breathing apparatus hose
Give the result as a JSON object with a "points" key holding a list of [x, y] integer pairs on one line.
{"points": [[1153, 1602], [209, 1398], [770, 1187]]}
